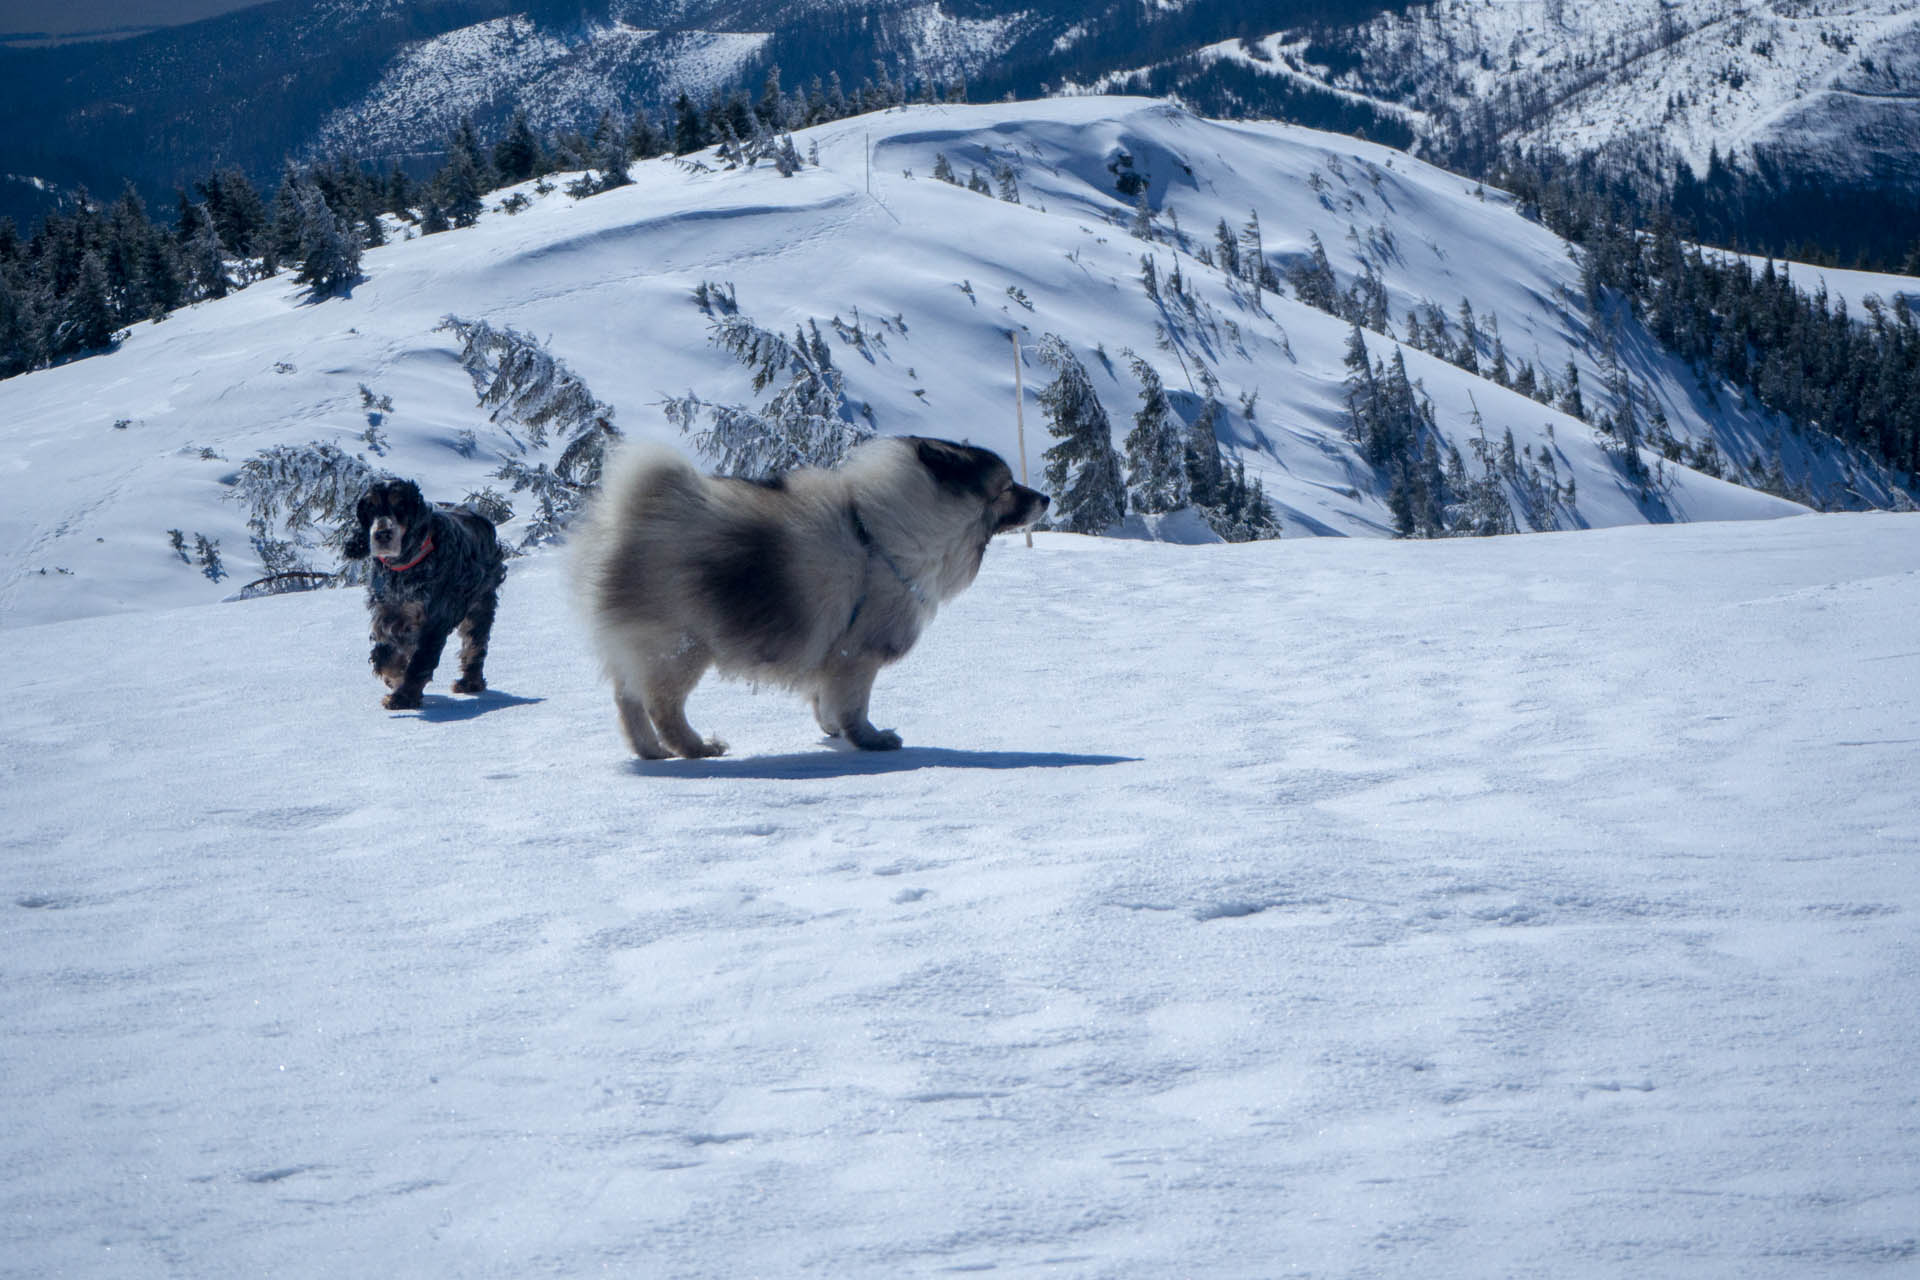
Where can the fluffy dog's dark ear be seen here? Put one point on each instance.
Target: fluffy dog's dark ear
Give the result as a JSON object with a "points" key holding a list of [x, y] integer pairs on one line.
{"points": [[409, 503], [959, 467], [357, 547]]}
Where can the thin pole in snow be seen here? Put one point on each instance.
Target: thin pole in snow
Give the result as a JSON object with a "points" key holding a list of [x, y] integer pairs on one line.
{"points": [[1019, 413]]}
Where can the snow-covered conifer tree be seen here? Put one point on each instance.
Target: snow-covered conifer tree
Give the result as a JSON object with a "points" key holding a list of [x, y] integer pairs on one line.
{"points": [[1083, 470], [462, 181], [89, 310], [1313, 281], [1229, 248], [1009, 185], [1571, 402], [786, 158], [1467, 354], [611, 156], [1205, 467], [1254, 266], [1156, 453], [516, 157], [207, 261], [329, 254], [1141, 227]]}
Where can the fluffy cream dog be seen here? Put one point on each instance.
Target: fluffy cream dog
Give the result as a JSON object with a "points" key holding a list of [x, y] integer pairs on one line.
{"points": [[814, 579]]}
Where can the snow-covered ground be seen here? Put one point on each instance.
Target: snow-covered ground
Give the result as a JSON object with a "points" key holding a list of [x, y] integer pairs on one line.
{"points": [[1536, 906], [100, 458]]}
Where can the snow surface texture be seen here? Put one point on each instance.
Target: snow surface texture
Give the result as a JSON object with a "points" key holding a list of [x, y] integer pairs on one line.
{"points": [[100, 458], [1535, 907]]}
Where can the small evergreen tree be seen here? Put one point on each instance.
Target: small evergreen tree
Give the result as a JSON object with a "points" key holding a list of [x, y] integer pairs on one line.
{"points": [[1313, 281], [1228, 248], [1082, 470], [1009, 185], [463, 180], [1141, 227], [1205, 467], [1571, 402], [611, 157], [786, 158], [89, 324], [329, 256], [516, 157], [1156, 452], [645, 139], [689, 130], [1467, 354]]}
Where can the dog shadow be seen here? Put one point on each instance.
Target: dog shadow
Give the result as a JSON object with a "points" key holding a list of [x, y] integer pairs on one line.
{"points": [[844, 762], [439, 708]]}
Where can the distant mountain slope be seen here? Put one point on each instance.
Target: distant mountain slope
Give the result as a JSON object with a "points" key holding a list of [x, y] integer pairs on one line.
{"points": [[561, 78], [1827, 91], [1833, 88], [298, 77], [1822, 95], [164, 109], [915, 285]]}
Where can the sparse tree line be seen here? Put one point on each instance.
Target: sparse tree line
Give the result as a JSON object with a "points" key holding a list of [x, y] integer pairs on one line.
{"points": [[1169, 465], [1804, 355], [81, 277]]}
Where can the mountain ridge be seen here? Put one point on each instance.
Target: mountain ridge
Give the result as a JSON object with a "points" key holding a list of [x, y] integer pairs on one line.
{"points": [[916, 284]]}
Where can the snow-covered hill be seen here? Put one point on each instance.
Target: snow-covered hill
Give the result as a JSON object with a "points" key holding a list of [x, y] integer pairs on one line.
{"points": [[1535, 906], [1825, 89], [927, 281], [563, 79]]}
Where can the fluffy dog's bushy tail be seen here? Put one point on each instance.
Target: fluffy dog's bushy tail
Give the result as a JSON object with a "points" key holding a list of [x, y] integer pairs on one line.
{"points": [[641, 481]]}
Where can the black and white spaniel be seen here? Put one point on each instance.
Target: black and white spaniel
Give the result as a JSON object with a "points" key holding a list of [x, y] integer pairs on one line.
{"points": [[434, 569]]}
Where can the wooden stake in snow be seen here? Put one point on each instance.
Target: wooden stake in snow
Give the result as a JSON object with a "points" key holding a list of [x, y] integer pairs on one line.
{"points": [[1019, 413]]}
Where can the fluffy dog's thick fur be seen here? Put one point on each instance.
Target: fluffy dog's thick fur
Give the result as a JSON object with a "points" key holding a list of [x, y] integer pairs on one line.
{"points": [[434, 570], [813, 580]]}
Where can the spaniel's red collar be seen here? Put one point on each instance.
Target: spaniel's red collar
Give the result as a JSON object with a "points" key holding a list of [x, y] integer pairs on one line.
{"points": [[425, 548]]}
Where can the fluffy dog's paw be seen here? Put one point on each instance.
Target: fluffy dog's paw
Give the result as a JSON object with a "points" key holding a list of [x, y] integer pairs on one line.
{"points": [[401, 700], [475, 685], [868, 738], [707, 747]]}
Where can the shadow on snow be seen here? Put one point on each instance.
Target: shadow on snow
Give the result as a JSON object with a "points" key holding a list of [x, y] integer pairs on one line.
{"points": [[845, 762], [441, 709]]}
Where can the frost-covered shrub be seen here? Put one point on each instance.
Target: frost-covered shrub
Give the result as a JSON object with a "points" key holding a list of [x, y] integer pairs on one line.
{"points": [[307, 492], [526, 385], [807, 422]]}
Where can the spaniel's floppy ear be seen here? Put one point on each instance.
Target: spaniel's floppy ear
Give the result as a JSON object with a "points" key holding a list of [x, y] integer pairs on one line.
{"points": [[357, 546]]}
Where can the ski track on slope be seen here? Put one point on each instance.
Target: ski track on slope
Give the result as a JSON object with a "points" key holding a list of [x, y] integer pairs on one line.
{"points": [[1341, 908]]}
